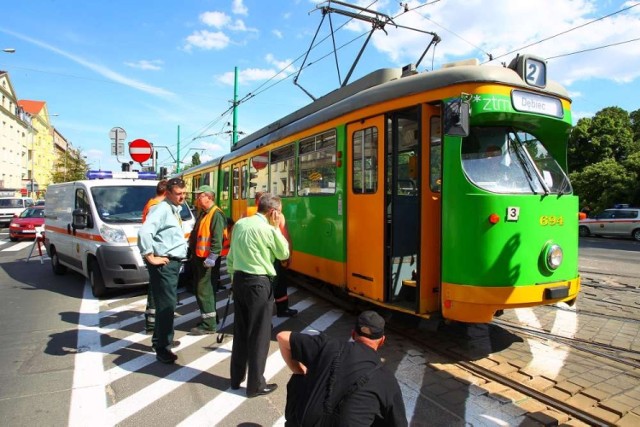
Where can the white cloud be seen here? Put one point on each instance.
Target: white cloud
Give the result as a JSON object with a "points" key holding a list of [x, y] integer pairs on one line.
{"points": [[215, 19], [238, 25], [247, 76], [475, 28], [97, 68], [239, 8], [207, 40], [282, 70], [143, 64], [285, 64], [277, 33]]}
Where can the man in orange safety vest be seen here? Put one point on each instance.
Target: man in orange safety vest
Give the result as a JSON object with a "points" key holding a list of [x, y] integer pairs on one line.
{"points": [[205, 244]]}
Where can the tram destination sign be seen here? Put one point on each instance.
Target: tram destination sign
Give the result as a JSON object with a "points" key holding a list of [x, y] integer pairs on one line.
{"points": [[534, 103]]}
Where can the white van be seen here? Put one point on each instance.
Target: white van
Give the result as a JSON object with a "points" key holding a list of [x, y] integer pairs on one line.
{"points": [[13, 206], [91, 226]]}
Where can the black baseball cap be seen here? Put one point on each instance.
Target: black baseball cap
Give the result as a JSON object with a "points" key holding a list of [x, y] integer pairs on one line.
{"points": [[370, 325]]}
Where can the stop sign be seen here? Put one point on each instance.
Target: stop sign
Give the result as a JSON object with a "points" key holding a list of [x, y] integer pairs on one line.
{"points": [[140, 150]]}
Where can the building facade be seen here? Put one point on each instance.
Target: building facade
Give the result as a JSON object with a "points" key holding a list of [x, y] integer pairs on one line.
{"points": [[16, 136], [42, 152]]}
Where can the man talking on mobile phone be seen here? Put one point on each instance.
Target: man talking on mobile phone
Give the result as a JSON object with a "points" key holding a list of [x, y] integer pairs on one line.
{"points": [[256, 242]]}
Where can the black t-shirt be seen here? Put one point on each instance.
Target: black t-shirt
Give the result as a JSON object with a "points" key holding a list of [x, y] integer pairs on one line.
{"points": [[376, 402]]}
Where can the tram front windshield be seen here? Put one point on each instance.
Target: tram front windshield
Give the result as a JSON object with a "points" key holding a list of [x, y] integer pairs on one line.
{"points": [[507, 160]]}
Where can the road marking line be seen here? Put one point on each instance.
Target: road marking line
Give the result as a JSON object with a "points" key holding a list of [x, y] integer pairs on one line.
{"points": [[18, 246], [214, 411], [88, 397]]}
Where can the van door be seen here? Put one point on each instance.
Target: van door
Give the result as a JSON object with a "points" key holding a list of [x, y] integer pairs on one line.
{"points": [[366, 213]]}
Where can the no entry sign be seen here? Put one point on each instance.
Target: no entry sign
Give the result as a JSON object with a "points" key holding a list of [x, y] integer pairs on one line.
{"points": [[140, 150]]}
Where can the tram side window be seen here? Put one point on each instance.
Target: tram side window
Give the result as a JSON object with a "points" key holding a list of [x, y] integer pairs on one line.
{"points": [[236, 183], [243, 181], [283, 171], [365, 162], [224, 194], [259, 174], [435, 155], [317, 164]]}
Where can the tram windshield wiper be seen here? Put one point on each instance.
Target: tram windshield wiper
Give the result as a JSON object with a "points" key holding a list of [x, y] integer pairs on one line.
{"points": [[513, 141]]}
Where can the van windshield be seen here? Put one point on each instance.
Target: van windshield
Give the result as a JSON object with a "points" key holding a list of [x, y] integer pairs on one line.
{"points": [[11, 203], [125, 203], [122, 203]]}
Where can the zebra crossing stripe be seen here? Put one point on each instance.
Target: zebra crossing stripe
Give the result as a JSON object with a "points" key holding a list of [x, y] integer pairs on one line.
{"points": [[88, 397], [221, 406], [18, 246], [134, 403]]}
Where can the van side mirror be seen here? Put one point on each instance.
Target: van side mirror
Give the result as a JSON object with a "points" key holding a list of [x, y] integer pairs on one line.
{"points": [[456, 117], [79, 219]]}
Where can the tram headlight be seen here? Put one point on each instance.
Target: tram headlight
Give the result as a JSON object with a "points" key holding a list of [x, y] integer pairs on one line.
{"points": [[553, 256]]}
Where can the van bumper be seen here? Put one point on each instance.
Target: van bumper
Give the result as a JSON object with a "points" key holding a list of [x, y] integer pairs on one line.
{"points": [[122, 266]]}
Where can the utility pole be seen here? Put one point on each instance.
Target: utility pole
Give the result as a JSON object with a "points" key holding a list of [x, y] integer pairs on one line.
{"points": [[178, 153], [235, 108]]}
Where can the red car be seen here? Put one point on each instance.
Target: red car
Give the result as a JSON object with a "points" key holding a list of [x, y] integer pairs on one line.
{"points": [[24, 225]]}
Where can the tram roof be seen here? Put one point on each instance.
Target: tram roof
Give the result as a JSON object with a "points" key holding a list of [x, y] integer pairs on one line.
{"points": [[379, 86], [383, 85]]}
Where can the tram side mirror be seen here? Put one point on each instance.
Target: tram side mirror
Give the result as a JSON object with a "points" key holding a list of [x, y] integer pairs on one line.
{"points": [[456, 117], [79, 221]]}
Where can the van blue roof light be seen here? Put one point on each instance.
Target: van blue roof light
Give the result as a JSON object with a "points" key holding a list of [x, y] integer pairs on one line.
{"points": [[147, 175], [99, 175], [121, 175]]}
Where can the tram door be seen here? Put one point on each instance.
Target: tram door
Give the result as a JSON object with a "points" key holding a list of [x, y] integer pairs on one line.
{"points": [[366, 211], [402, 208]]}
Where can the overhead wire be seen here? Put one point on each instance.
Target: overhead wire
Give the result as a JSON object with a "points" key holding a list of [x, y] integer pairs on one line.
{"points": [[568, 31]]}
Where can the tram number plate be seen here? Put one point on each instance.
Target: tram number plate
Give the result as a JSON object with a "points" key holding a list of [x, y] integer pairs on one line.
{"points": [[513, 213]]}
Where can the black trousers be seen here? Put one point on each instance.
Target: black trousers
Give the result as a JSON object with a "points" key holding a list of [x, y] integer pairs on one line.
{"points": [[280, 287], [164, 284], [253, 305]]}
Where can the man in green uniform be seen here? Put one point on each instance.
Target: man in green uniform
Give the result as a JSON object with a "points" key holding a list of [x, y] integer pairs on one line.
{"points": [[163, 247], [205, 244]]}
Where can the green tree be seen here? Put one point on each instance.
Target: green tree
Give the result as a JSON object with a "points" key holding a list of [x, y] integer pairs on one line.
{"points": [[603, 184], [635, 125], [71, 166], [195, 159], [608, 135], [578, 152], [632, 165]]}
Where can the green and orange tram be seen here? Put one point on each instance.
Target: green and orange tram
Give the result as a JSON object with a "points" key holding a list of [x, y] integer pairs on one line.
{"points": [[441, 193]]}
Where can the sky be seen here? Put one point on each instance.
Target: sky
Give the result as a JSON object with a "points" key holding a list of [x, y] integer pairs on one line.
{"points": [[163, 70]]}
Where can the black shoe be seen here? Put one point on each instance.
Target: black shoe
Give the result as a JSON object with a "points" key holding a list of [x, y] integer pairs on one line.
{"points": [[235, 386], [289, 312], [200, 331], [166, 356], [174, 344], [270, 388]]}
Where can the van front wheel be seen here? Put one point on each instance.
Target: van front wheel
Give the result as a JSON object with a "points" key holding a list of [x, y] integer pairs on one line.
{"points": [[97, 281], [636, 234], [58, 268]]}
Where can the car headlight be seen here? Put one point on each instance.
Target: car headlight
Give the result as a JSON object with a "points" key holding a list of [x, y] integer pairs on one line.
{"points": [[553, 256], [113, 234]]}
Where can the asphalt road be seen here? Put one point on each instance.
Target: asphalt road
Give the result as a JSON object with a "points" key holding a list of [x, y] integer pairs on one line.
{"points": [[40, 314]]}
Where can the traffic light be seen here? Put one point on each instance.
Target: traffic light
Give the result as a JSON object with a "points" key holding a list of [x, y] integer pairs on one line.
{"points": [[163, 172], [126, 167]]}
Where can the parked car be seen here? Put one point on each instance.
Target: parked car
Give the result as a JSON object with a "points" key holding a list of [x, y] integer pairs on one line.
{"points": [[24, 225], [40, 202], [623, 222], [13, 206]]}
